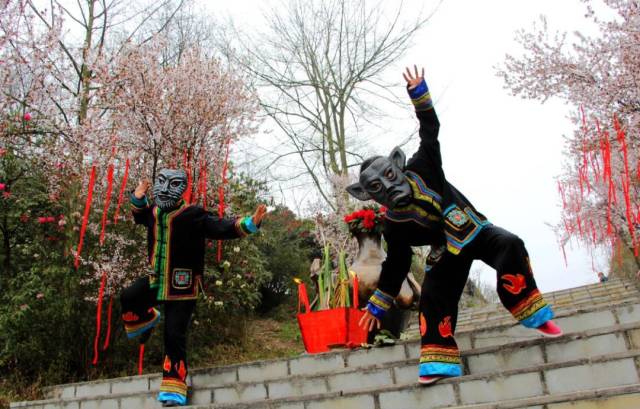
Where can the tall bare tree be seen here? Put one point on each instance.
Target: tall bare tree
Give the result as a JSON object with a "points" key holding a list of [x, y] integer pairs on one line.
{"points": [[316, 67]]}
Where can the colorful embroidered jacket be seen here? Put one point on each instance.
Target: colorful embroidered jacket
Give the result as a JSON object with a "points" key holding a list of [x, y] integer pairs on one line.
{"points": [[439, 214], [176, 244]]}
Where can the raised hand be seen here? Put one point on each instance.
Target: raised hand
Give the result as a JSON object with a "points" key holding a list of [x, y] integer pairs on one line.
{"points": [[413, 79], [142, 188], [369, 321], [257, 217]]}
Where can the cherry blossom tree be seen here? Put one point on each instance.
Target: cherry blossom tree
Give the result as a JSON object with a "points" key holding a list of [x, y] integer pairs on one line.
{"points": [[599, 76]]}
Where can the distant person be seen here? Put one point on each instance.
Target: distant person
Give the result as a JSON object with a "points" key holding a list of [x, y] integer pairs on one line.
{"points": [[423, 208], [176, 234], [603, 278]]}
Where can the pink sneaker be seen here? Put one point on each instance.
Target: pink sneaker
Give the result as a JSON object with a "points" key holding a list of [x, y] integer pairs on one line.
{"points": [[429, 380], [550, 329]]}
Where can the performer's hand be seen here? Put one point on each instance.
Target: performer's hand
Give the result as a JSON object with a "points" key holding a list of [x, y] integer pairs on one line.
{"points": [[369, 321], [142, 188], [413, 79], [257, 217]]}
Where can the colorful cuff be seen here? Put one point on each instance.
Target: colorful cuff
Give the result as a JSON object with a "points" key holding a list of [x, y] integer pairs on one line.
{"points": [[245, 226], [379, 303], [248, 222], [139, 203], [421, 97]]}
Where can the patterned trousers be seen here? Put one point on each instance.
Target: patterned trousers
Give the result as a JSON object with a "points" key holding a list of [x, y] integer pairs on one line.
{"points": [[443, 285], [140, 315]]}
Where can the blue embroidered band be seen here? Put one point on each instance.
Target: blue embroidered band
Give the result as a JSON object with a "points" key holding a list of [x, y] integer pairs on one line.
{"points": [[379, 303], [139, 203], [421, 97]]}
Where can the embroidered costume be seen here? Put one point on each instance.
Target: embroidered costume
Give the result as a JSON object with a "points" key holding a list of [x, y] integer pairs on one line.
{"points": [[176, 237], [425, 209]]}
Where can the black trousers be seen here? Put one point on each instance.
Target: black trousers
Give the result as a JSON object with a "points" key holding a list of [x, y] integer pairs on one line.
{"points": [[443, 285], [138, 307]]}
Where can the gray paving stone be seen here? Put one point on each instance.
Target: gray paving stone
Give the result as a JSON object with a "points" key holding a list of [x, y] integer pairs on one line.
{"points": [[141, 401], [365, 380], [506, 359], [501, 388], [316, 364], [263, 371], [241, 393], [201, 397], [406, 374], [367, 357], [596, 375], [133, 385], [214, 377], [587, 347], [93, 389], [297, 387], [631, 401], [629, 314], [348, 402], [100, 404], [585, 321], [414, 398]]}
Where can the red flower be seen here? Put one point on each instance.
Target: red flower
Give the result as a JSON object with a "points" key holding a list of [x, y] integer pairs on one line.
{"points": [[27, 117], [42, 220], [24, 218], [2, 186], [6, 195], [2, 151]]}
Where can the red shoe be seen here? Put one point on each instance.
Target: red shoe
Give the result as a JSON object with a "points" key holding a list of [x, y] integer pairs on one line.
{"points": [[429, 380], [550, 329]]}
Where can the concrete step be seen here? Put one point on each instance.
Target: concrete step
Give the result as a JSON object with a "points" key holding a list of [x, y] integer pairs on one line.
{"points": [[345, 373], [541, 383], [564, 302], [592, 330]]}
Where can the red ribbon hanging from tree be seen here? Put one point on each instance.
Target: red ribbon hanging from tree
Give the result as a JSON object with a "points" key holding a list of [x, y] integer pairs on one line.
{"points": [[140, 358], [85, 217], [96, 340], [107, 202], [108, 336], [223, 181], [123, 187]]}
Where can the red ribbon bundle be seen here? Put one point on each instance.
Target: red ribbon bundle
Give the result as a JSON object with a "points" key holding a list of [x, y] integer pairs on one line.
{"points": [[85, 217]]}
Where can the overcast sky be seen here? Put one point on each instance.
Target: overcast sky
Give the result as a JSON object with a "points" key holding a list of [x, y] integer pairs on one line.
{"points": [[502, 152]]}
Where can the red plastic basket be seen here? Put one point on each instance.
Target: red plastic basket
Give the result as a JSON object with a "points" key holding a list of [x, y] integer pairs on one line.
{"points": [[336, 327]]}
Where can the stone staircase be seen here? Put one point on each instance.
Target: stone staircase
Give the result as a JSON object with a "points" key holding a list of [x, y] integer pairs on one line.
{"points": [[596, 364]]}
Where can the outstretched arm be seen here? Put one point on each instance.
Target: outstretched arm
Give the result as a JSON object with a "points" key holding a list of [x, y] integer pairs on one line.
{"points": [[139, 203], [394, 271], [220, 228], [429, 124]]}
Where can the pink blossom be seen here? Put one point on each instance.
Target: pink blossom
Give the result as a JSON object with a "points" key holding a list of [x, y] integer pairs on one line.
{"points": [[6, 194], [27, 117], [2, 186]]}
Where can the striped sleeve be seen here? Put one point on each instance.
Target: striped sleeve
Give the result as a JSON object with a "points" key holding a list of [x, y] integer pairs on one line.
{"points": [[379, 303], [421, 97]]}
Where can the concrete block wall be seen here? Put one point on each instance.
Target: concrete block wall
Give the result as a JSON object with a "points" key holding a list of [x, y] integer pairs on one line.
{"points": [[499, 359]]}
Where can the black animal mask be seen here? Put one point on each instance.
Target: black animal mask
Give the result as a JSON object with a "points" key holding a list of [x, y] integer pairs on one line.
{"points": [[382, 179]]}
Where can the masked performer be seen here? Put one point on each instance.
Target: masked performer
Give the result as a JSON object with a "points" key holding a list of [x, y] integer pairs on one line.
{"points": [[176, 234], [425, 209]]}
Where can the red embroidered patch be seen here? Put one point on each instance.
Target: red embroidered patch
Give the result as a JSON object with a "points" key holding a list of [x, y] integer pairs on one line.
{"points": [[445, 327], [423, 325], [167, 364], [515, 283], [130, 317], [182, 370]]}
